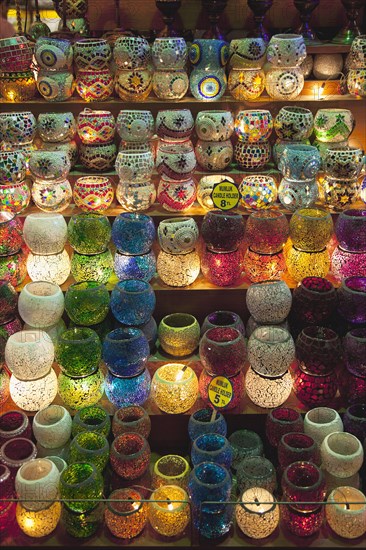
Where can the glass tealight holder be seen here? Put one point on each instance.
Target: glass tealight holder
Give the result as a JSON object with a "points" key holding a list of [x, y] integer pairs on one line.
{"points": [[223, 351], [130, 455], [8, 302], [222, 268], [39, 523], [87, 302], [319, 349], [266, 231], [133, 302], [78, 352], [355, 348], [126, 514], [128, 390], [90, 447], [6, 486], [95, 267], [281, 421], [125, 351], [301, 264], [352, 299], [346, 513], [179, 334], [174, 388], [268, 392], [245, 443], [271, 351], [77, 393], [303, 484], [222, 318], [264, 267], [302, 524], [131, 418], [294, 447], [311, 229], [313, 301], [354, 420], [16, 452], [256, 471], [82, 524], [81, 481], [212, 447], [321, 421], [14, 424], [36, 483], [34, 395], [89, 232], [206, 421], [91, 419], [178, 269], [314, 390], [222, 230], [233, 384], [341, 454], [257, 513], [169, 510], [345, 264], [52, 426], [170, 470]]}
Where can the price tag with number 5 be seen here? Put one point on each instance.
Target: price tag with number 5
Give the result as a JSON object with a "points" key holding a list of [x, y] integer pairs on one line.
{"points": [[220, 392]]}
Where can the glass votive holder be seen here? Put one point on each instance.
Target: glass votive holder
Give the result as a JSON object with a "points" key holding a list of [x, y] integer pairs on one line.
{"points": [[222, 230], [14, 424], [179, 334], [52, 426], [256, 471], [87, 302], [257, 192], [264, 267], [354, 420], [266, 231], [302, 524], [82, 524], [4, 386], [39, 523], [346, 513], [178, 235], [314, 390], [301, 264], [77, 393], [53, 268], [142, 266], [29, 354], [126, 514], [7, 515], [81, 481], [37, 479], [284, 83], [6, 486], [314, 301], [271, 350], [205, 188], [345, 264], [95, 267], [222, 351], [41, 304], [125, 351], [320, 422], [352, 299], [90, 447], [133, 233], [91, 419], [257, 513], [232, 386], [169, 511], [128, 390], [8, 302], [269, 302], [295, 447], [89, 232], [246, 84], [245, 443], [222, 318], [311, 229], [130, 455], [16, 452], [133, 302], [268, 392], [206, 421], [174, 388], [319, 349], [350, 230], [281, 421], [222, 268], [131, 418], [170, 470], [178, 269], [341, 454], [212, 447], [303, 484], [78, 351], [13, 268]]}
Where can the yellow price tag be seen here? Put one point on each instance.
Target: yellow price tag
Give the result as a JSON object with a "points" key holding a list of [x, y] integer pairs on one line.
{"points": [[220, 391], [225, 195]]}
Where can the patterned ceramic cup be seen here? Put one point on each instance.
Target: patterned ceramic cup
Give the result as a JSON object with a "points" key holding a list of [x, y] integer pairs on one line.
{"points": [[169, 53], [55, 54], [56, 127], [96, 126], [92, 54], [247, 53], [344, 163], [137, 167], [18, 127], [12, 167], [174, 124], [48, 165], [253, 125], [286, 50], [55, 85], [214, 125], [294, 123], [332, 125], [131, 52], [135, 125], [300, 162], [176, 162]]}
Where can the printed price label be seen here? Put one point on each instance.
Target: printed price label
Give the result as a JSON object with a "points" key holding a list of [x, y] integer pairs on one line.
{"points": [[220, 391], [225, 195]]}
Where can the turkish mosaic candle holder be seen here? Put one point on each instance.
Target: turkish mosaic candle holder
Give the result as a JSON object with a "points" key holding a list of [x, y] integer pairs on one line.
{"points": [[81, 481], [13, 268], [96, 126], [95, 267], [18, 127], [37, 524], [178, 235], [169, 53], [91, 419], [338, 194], [343, 163], [171, 84], [131, 52], [223, 351], [302, 483], [269, 302], [125, 351], [11, 231], [354, 347], [19, 86], [133, 85], [89, 232], [222, 318], [174, 124], [350, 230], [313, 301], [45, 165], [124, 390], [256, 471], [133, 302], [41, 304], [8, 302], [252, 522], [137, 167], [267, 392], [280, 421], [252, 156], [302, 264], [284, 83], [222, 231], [45, 233], [247, 53], [175, 161], [341, 454], [56, 127], [82, 524], [90, 447], [264, 267], [352, 299], [34, 395], [131, 418], [176, 196], [51, 196], [94, 85], [130, 455], [294, 123], [92, 54], [169, 521], [216, 125], [77, 393], [52, 268], [179, 334], [136, 197], [294, 447], [55, 86], [78, 352], [222, 268], [271, 351], [142, 266], [319, 349], [204, 421], [333, 125], [345, 520], [311, 229], [345, 264], [12, 167], [314, 390], [170, 470], [14, 424], [208, 79], [253, 125], [214, 156], [211, 448], [298, 194], [299, 162], [286, 50], [174, 388], [356, 82], [99, 157], [87, 302], [246, 84], [15, 197], [135, 125], [126, 514], [54, 54]]}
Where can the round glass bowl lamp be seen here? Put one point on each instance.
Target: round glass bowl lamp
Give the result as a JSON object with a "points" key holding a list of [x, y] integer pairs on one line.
{"points": [[77, 393], [169, 510], [302, 264], [34, 395], [45, 232], [53, 268], [354, 420], [130, 455], [90, 447], [211, 447], [126, 513], [245, 443], [257, 513], [87, 303], [94, 267], [37, 479], [179, 334], [178, 269], [269, 302], [222, 268], [256, 471], [342, 454], [89, 232], [319, 349], [346, 513], [352, 299], [133, 302], [271, 350], [170, 470], [321, 421], [311, 229], [41, 304], [222, 318], [223, 351], [314, 389], [128, 390], [131, 418], [126, 351], [81, 486], [206, 421], [91, 419], [78, 351], [295, 446], [303, 484], [222, 231], [314, 301], [264, 267], [52, 426], [14, 424], [133, 233], [174, 388], [280, 421], [39, 523], [268, 392], [266, 231], [29, 354]]}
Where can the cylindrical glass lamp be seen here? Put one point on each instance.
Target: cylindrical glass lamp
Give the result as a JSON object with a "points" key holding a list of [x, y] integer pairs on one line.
{"points": [[174, 388], [319, 349], [301, 264], [314, 389], [264, 267], [178, 269]]}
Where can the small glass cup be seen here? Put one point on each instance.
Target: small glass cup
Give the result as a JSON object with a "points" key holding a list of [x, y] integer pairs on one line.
{"points": [[281, 421], [256, 471], [169, 510], [295, 447], [245, 443], [91, 419], [174, 388], [170, 470], [78, 351], [90, 447], [81, 481], [128, 390], [341, 454], [125, 351], [133, 302], [303, 484], [130, 455], [131, 418], [206, 421]]}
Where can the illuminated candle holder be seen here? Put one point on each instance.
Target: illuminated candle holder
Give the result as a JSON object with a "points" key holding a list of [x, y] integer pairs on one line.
{"points": [[82, 524], [268, 392], [256, 471], [128, 390], [90, 447], [17, 87], [94, 85], [302, 524], [302, 264], [89, 232], [126, 351], [126, 515], [37, 479], [34, 395], [319, 350], [281, 421], [346, 264], [170, 470], [131, 418], [342, 454], [94, 267], [174, 388], [7, 517], [13, 268], [245, 443], [78, 352], [14, 424], [87, 302], [179, 334], [284, 83], [233, 384], [52, 426], [81, 486], [346, 513], [54, 268], [40, 523], [266, 231], [169, 510], [222, 268], [206, 421], [130, 455], [264, 267], [222, 318], [257, 513], [271, 351], [133, 302], [29, 355], [269, 302], [310, 229], [178, 269], [142, 266], [77, 393]]}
